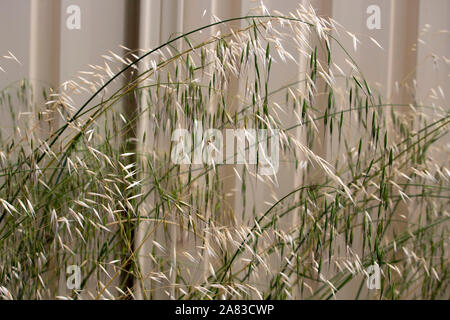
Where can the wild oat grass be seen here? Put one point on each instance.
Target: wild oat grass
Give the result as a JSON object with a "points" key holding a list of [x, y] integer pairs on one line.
{"points": [[99, 190]]}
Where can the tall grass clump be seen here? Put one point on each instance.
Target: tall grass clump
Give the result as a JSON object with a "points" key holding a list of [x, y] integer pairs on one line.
{"points": [[93, 184]]}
